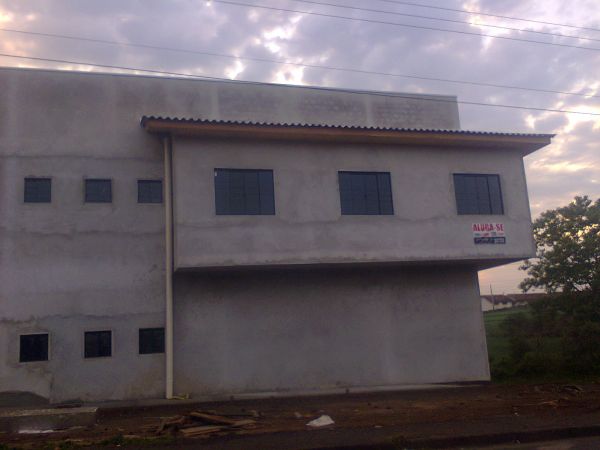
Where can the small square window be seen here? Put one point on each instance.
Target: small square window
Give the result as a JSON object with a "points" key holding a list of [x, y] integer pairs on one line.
{"points": [[152, 340], [98, 344], [150, 191], [98, 191], [38, 190], [33, 347]]}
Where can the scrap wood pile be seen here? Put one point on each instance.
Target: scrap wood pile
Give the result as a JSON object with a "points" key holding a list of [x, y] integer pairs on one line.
{"points": [[201, 423]]}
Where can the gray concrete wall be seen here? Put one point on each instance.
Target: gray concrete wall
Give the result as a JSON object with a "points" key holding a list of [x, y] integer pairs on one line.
{"points": [[298, 331], [308, 227], [67, 267]]}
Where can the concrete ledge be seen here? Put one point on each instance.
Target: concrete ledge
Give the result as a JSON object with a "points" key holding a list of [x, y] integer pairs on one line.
{"points": [[269, 395], [18, 421]]}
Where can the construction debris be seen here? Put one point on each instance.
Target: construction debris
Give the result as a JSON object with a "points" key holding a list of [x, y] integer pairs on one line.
{"points": [[202, 423]]}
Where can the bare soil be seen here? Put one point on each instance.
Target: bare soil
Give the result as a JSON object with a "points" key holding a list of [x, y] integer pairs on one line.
{"points": [[384, 416]]}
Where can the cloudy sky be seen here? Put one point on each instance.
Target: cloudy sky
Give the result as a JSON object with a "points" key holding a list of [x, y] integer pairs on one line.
{"points": [[571, 166]]}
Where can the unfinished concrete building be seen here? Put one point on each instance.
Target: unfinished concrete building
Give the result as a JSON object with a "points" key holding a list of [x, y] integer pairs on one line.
{"points": [[165, 236]]}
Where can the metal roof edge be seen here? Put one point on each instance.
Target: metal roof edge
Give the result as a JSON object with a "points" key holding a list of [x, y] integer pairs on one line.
{"points": [[200, 121]]}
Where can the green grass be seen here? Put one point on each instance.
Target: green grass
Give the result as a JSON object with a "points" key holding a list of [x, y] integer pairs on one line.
{"points": [[499, 347], [497, 343]]}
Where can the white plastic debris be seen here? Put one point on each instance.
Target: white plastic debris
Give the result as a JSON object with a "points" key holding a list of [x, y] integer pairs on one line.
{"points": [[322, 421], [32, 431]]}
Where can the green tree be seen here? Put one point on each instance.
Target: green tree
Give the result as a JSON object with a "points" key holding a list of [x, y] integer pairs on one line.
{"points": [[568, 249]]}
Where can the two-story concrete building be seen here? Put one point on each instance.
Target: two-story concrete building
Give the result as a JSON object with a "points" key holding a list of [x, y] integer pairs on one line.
{"points": [[246, 238]]}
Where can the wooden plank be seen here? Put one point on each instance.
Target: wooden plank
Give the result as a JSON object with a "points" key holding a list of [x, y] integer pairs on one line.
{"points": [[212, 418], [198, 431]]}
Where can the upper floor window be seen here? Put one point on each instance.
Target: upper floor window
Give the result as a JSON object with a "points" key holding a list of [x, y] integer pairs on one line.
{"points": [[38, 190], [33, 347], [150, 191], [478, 194], [366, 193], [244, 192], [98, 191]]}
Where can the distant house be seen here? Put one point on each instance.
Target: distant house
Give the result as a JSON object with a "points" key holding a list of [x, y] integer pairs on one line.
{"points": [[504, 301]]}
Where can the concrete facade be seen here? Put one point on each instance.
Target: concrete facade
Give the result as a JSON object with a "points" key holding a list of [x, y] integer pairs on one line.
{"points": [[308, 227], [378, 301]]}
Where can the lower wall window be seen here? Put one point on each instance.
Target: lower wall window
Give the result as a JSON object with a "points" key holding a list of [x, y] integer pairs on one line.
{"points": [[97, 344], [150, 191], [98, 191], [152, 340], [33, 347], [38, 190]]}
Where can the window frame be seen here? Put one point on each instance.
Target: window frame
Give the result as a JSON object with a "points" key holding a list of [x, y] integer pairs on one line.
{"points": [[379, 193], [141, 181], [489, 194], [35, 178], [112, 344], [40, 333], [140, 330], [220, 211], [85, 195]]}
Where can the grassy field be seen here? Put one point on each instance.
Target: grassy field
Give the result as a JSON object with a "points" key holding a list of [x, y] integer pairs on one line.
{"points": [[497, 344]]}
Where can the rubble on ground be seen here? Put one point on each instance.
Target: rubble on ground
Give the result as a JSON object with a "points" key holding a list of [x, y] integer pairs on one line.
{"points": [[205, 423]]}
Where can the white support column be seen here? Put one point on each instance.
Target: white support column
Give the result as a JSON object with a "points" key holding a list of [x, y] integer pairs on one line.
{"points": [[168, 267]]}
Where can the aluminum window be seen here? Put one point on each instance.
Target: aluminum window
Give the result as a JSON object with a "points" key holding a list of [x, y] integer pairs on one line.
{"points": [[150, 191], [38, 190], [33, 347], [151, 340], [244, 192], [478, 194], [98, 191], [365, 193], [97, 344]]}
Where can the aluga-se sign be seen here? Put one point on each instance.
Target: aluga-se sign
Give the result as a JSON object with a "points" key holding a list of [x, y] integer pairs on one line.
{"points": [[488, 233]]}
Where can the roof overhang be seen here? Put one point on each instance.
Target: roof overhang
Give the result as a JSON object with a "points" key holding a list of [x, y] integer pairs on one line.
{"points": [[526, 143]]}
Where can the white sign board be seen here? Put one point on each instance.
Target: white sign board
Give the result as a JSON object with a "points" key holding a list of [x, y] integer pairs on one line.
{"points": [[489, 233]]}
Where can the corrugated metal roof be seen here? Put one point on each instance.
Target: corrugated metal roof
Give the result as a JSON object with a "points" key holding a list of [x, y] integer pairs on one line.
{"points": [[329, 126]]}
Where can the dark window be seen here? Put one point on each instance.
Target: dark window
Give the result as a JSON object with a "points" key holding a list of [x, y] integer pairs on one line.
{"points": [[150, 191], [367, 193], [33, 347], [244, 192], [38, 190], [152, 340], [98, 191], [478, 194], [97, 344]]}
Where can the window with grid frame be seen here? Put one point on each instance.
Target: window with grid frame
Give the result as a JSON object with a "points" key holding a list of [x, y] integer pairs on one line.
{"points": [[365, 193], [97, 344], [98, 190], [33, 347], [151, 340], [478, 194], [150, 191], [244, 192], [38, 190]]}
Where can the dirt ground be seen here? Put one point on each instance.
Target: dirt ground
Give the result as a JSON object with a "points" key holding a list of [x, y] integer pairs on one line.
{"points": [[388, 416]]}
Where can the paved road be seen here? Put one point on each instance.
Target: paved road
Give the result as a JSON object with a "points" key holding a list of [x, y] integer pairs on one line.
{"points": [[571, 444]]}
